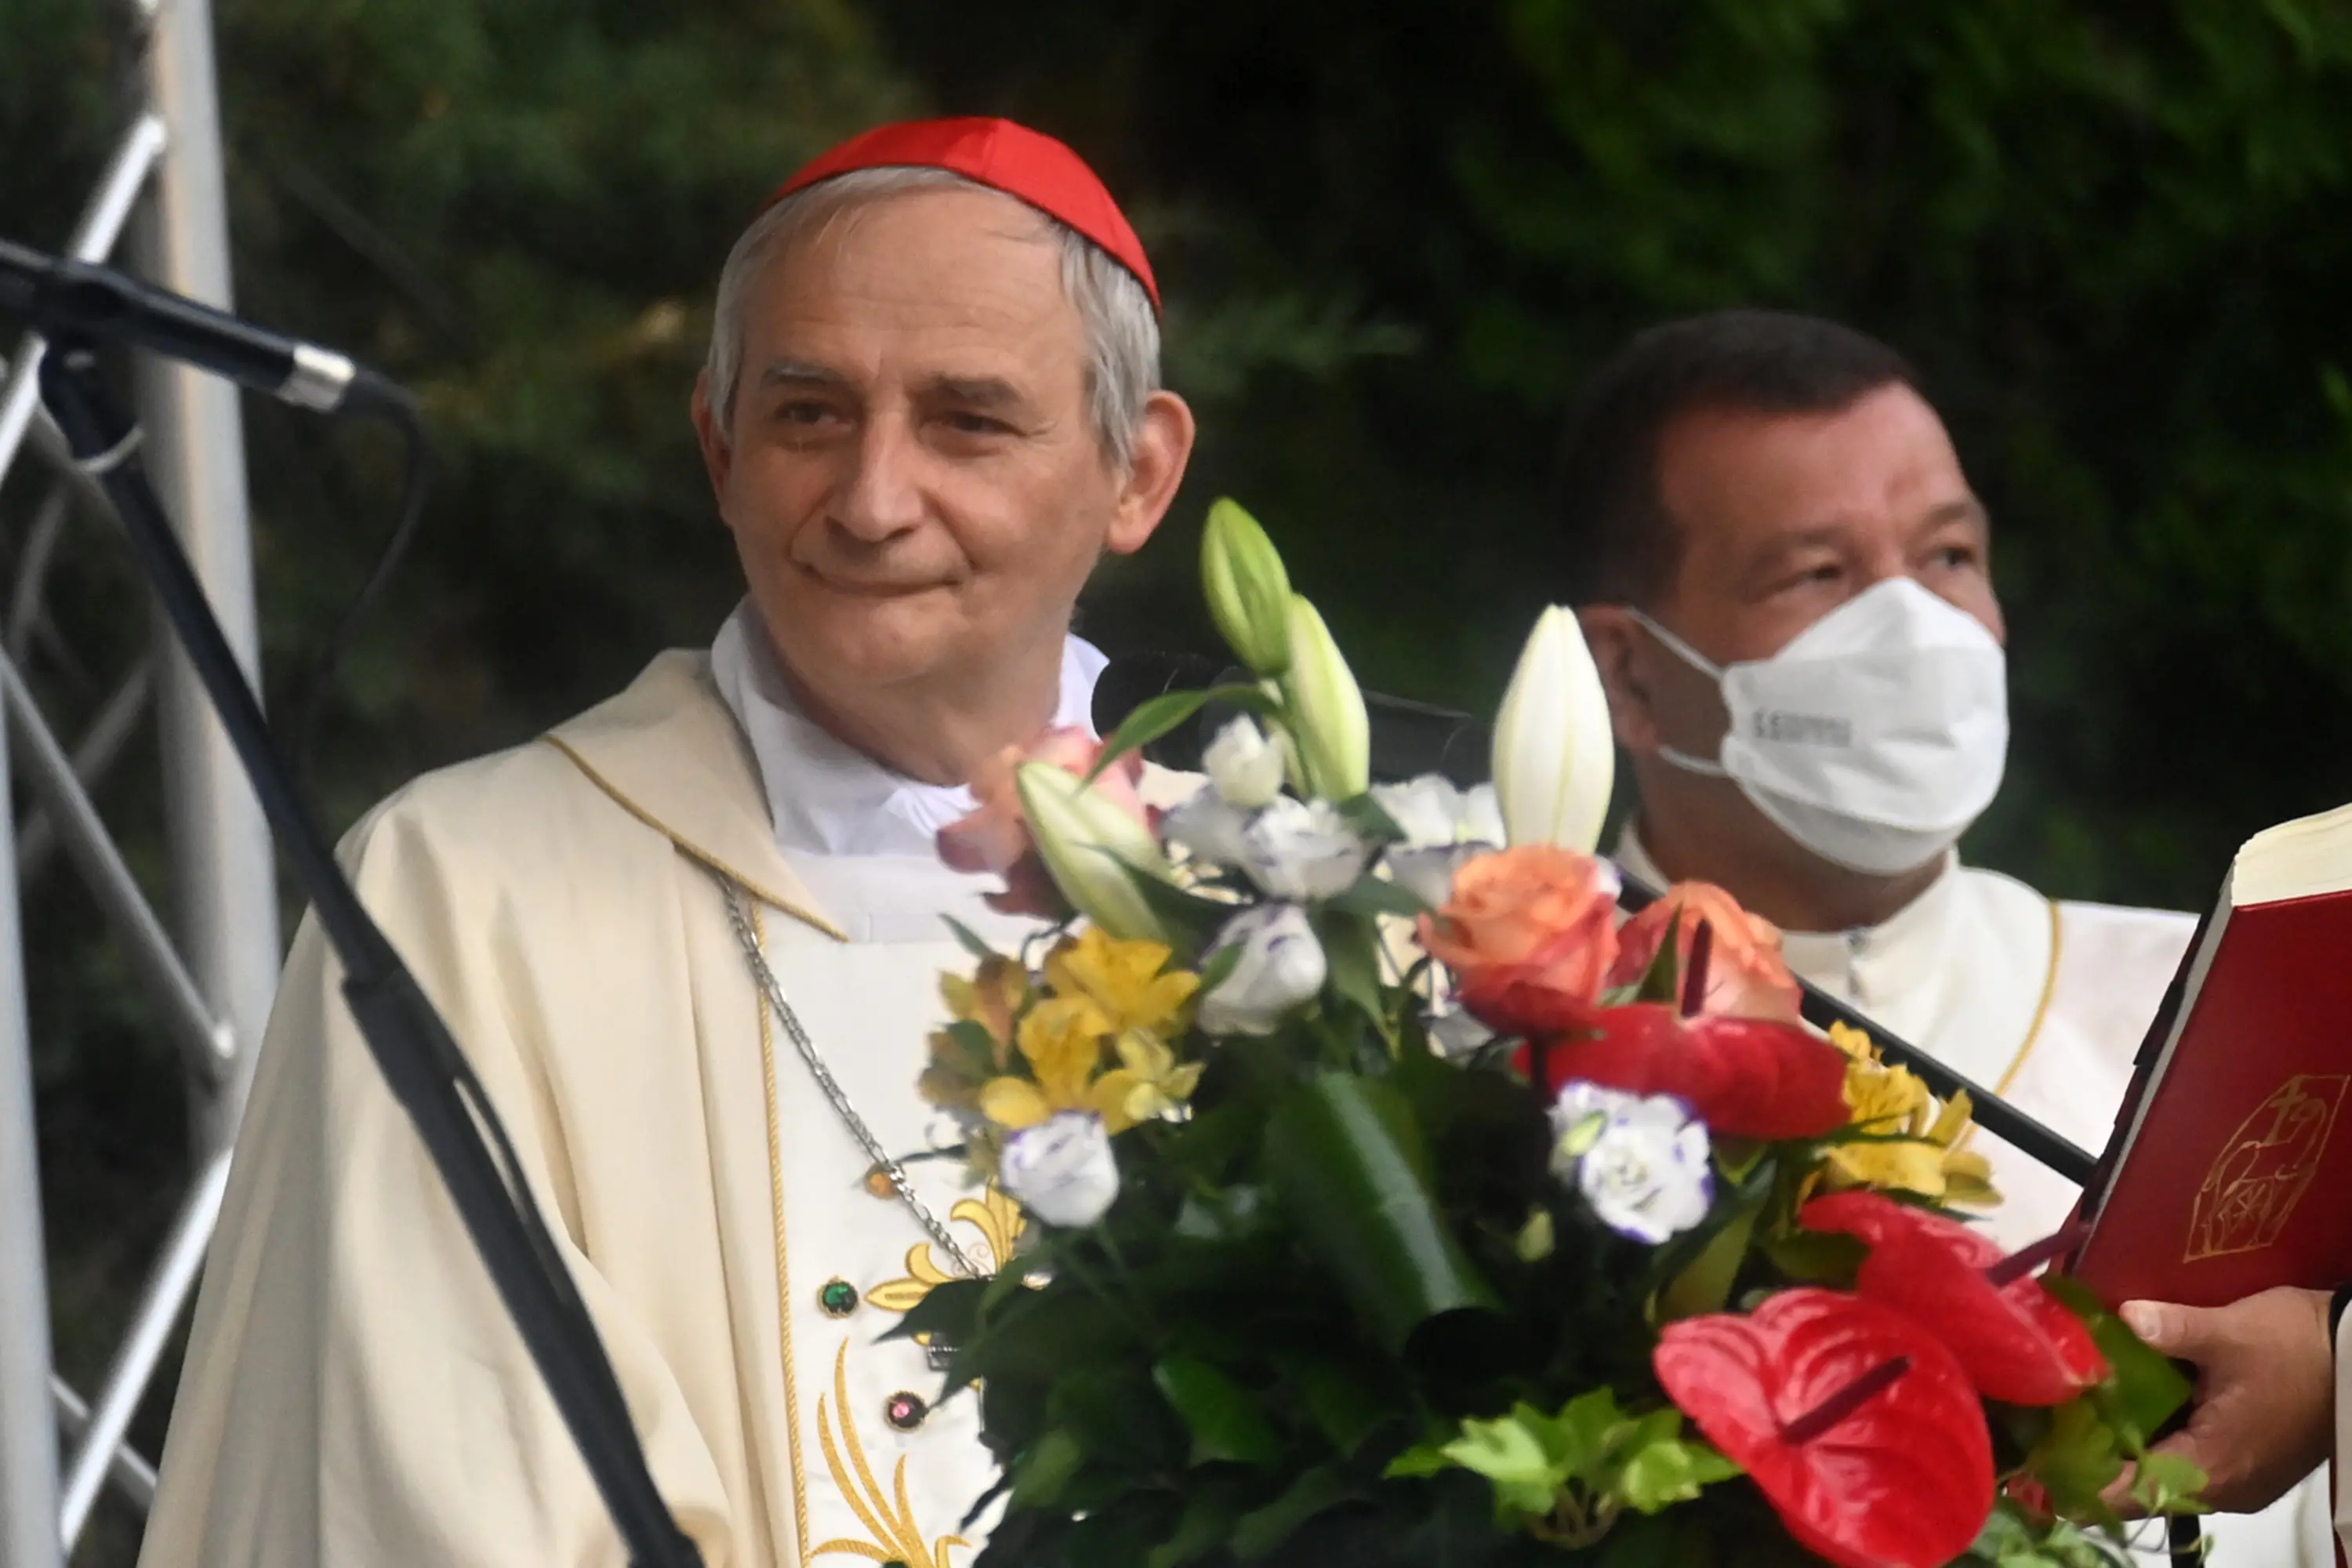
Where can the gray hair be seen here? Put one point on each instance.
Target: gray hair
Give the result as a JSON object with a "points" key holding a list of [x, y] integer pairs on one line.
{"points": [[1122, 330]]}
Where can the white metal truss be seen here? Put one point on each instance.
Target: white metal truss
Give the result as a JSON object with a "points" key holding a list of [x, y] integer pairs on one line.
{"points": [[210, 981]]}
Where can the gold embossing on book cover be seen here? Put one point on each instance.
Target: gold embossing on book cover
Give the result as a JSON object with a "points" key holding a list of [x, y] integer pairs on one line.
{"points": [[2264, 1168]]}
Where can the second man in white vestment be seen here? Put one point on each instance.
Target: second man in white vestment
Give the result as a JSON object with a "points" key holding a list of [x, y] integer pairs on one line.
{"points": [[1787, 591]]}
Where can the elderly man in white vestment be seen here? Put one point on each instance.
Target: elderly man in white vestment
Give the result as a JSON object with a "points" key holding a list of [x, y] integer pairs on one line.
{"points": [[1788, 593], [931, 404]]}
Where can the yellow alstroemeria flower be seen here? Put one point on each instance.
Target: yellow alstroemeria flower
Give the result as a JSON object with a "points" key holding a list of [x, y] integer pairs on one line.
{"points": [[1912, 1148], [1062, 1039], [1123, 979], [991, 997], [1146, 1083]]}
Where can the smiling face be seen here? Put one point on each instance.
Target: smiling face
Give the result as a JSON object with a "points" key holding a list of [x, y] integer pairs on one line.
{"points": [[915, 488]]}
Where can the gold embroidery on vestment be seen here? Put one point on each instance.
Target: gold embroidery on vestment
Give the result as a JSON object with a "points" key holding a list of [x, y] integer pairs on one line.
{"points": [[889, 1517]]}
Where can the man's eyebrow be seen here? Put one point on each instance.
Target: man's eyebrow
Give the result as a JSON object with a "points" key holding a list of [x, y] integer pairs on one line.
{"points": [[976, 391], [800, 372], [1964, 509]]}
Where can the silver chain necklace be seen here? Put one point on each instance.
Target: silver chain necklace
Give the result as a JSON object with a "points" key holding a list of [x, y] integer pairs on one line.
{"points": [[766, 979]]}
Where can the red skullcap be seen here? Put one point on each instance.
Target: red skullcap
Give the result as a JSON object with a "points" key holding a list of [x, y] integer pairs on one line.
{"points": [[1003, 156]]}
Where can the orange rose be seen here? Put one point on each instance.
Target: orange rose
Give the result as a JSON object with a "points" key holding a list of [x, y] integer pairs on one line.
{"points": [[1528, 932], [1746, 976]]}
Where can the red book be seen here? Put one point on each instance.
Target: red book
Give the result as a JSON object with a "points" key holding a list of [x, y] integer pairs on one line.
{"points": [[2230, 1170]]}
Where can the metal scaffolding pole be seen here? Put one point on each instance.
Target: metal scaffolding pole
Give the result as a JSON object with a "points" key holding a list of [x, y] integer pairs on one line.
{"points": [[223, 874], [29, 1536], [214, 984]]}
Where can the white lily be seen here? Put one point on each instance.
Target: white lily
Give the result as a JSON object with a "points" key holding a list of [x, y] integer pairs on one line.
{"points": [[1333, 735], [1555, 756], [1089, 845]]}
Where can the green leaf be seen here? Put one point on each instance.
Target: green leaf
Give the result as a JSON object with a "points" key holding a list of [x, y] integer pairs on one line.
{"points": [[1259, 1532], [1351, 950], [1423, 1459], [1661, 982], [1164, 712], [1225, 1421], [1191, 918], [1817, 1258], [2077, 1460], [1704, 1284], [971, 940], [1525, 1475], [2144, 1388], [1045, 1468], [1346, 1162], [1364, 815], [1207, 1524], [2169, 1483], [1660, 1470], [1373, 895], [1343, 1402]]}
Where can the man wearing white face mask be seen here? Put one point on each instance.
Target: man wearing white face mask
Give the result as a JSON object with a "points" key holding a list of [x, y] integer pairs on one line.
{"points": [[1786, 590]]}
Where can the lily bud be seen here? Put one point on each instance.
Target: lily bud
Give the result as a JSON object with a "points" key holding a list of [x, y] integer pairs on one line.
{"points": [[1248, 591], [1326, 710], [1244, 764], [1089, 844], [1555, 757]]}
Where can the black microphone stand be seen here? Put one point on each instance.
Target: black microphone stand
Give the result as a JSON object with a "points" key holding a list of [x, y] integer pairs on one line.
{"points": [[426, 1072]]}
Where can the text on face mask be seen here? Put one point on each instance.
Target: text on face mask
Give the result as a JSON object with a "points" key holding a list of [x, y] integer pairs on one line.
{"points": [[1803, 729]]}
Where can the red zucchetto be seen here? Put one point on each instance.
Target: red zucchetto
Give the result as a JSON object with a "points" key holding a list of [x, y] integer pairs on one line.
{"points": [[1003, 156]]}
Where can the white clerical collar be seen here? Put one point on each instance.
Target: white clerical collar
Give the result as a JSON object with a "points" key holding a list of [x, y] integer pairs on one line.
{"points": [[826, 797]]}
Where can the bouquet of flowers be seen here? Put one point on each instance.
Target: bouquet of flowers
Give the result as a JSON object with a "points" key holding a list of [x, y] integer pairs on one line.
{"points": [[1389, 1200]]}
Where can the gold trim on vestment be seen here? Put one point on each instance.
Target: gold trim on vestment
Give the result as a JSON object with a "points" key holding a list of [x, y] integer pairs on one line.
{"points": [[783, 1268], [692, 850], [2033, 1031]]}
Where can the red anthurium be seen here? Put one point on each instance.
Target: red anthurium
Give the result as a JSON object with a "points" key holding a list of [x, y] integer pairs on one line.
{"points": [[1859, 1427], [1745, 1077], [2019, 1343]]}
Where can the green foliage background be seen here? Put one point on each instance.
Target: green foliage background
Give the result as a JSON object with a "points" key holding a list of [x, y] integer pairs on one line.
{"points": [[2113, 234]]}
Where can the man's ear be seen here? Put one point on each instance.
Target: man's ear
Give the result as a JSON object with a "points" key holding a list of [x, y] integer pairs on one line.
{"points": [[1618, 653], [1163, 446], [718, 457]]}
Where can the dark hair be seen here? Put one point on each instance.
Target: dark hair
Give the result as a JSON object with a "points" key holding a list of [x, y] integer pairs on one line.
{"points": [[1621, 545]]}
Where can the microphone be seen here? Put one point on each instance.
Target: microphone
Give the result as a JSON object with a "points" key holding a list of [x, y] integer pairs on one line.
{"points": [[1409, 738], [67, 299]]}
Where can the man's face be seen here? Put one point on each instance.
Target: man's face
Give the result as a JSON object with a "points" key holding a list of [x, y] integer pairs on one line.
{"points": [[913, 484], [1782, 519]]}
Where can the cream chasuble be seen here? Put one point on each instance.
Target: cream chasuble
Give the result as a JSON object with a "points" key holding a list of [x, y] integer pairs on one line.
{"points": [[2044, 1002], [355, 1394]]}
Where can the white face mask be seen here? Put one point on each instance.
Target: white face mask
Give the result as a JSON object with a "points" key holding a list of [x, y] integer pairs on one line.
{"points": [[1875, 737]]}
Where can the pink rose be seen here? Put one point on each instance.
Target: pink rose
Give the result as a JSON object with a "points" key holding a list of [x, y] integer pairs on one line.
{"points": [[995, 835]]}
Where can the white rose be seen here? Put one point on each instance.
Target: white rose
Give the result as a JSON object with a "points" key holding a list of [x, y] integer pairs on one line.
{"points": [[1062, 1169], [1298, 849], [1641, 1162], [1207, 824], [1281, 969], [1244, 767]]}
